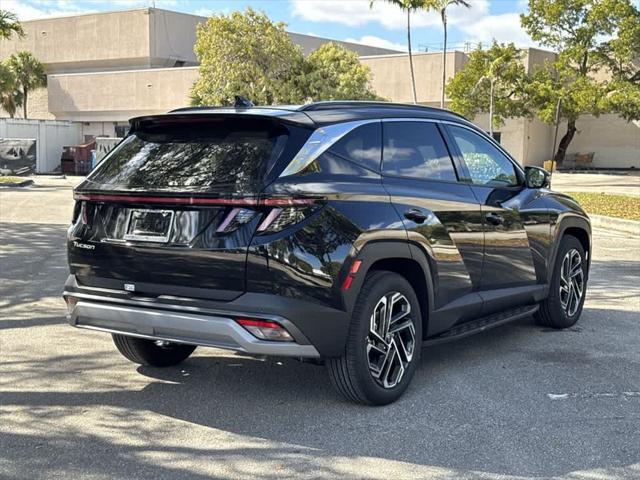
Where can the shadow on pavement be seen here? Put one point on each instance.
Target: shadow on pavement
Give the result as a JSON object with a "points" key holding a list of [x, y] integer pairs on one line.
{"points": [[473, 385]]}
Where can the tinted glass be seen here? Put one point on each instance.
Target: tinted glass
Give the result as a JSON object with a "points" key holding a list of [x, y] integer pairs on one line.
{"points": [[416, 150], [229, 154], [487, 165], [362, 145]]}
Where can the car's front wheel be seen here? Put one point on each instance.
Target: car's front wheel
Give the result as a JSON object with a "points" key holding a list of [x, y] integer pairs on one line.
{"points": [[383, 346], [149, 352], [568, 288]]}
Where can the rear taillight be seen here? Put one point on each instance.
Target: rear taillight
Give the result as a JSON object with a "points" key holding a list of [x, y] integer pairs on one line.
{"points": [[280, 218], [234, 219], [277, 212], [265, 329]]}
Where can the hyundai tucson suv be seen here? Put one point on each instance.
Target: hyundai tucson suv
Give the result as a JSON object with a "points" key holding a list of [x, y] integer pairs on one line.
{"points": [[346, 233]]}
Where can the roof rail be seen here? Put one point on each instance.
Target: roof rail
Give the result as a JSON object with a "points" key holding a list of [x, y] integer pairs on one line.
{"points": [[328, 105], [195, 108]]}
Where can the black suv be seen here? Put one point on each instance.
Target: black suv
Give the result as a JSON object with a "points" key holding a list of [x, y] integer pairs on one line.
{"points": [[347, 233]]}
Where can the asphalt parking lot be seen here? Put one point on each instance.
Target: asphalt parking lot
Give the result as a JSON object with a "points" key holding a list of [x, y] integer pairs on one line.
{"points": [[519, 401]]}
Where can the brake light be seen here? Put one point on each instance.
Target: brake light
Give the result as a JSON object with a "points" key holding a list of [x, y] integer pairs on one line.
{"points": [[283, 211], [240, 202], [265, 329]]}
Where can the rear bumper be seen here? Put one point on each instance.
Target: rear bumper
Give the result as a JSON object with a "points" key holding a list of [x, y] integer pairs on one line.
{"points": [[205, 330], [318, 331]]}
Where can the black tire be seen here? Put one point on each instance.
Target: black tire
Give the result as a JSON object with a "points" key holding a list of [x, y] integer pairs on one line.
{"points": [[350, 373], [146, 352], [552, 312]]}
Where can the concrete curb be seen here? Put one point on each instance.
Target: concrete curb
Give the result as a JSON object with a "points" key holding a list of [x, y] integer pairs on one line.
{"points": [[24, 183], [617, 224]]}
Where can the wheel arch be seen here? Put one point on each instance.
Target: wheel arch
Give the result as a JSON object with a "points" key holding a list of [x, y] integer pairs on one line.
{"points": [[400, 258], [578, 227]]}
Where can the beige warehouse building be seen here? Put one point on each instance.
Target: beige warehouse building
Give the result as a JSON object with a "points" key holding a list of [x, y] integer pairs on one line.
{"points": [[105, 68]]}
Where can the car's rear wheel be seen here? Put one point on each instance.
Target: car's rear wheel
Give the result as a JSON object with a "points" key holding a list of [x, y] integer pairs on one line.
{"points": [[567, 291], [383, 346], [149, 352]]}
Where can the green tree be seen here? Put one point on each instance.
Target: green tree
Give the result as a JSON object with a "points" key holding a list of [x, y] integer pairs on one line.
{"points": [[29, 74], [335, 73], [9, 25], [492, 81], [441, 7], [10, 95], [593, 39], [246, 54]]}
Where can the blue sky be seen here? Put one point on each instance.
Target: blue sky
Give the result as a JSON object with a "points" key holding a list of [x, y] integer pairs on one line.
{"points": [[383, 25]]}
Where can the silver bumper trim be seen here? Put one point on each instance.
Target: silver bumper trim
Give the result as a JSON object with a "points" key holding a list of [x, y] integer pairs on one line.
{"points": [[205, 330]]}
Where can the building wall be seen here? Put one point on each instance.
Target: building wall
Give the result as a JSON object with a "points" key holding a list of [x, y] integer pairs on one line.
{"points": [[309, 43], [99, 41], [391, 75], [118, 96], [615, 142], [172, 37], [38, 105], [537, 142]]}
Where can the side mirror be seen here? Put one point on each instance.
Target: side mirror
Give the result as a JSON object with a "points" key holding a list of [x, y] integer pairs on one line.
{"points": [[537, 177]]}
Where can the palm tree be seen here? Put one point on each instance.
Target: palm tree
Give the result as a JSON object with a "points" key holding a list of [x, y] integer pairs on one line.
{"points": [[409, 6], [441, 6], [9, 25], [10, 96], [29, 74]]}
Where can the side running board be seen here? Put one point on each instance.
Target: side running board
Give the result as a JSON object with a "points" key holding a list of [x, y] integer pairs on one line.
{"points": [[481, 324]]}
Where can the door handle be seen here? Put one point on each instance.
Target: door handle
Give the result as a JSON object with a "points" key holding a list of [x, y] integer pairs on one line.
{"points": [[494, 218], [415, 215]]}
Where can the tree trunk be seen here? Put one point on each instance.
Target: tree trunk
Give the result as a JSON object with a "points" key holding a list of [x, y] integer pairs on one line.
{"points": [[24, 103], [413, 78], [491, 109], [444, 58], [565, 141]]}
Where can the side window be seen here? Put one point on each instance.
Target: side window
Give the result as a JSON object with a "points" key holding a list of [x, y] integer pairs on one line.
{"points": [[416, 150], [362, 146], [487, 165]]}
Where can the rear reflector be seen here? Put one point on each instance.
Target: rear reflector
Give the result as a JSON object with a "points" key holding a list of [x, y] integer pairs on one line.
{"points": [[346, 285], [265, 330], [355, 266]]}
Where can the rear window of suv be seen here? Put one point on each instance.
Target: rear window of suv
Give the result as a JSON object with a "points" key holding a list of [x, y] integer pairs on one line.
{"points": [[233, 155]]}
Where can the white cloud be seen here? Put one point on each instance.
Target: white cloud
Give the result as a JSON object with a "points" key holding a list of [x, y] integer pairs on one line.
{"points": [[378, 42], [475, 24], [357, 12], [40, 9], [504, 28], [32, 9]]}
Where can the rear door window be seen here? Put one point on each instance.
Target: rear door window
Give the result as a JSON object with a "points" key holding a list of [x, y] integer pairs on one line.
{"points": [[416, 150], [232, 155]]}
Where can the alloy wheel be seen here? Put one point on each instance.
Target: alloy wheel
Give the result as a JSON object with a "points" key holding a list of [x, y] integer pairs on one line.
{"points": [[391, 340], [571, 282]]}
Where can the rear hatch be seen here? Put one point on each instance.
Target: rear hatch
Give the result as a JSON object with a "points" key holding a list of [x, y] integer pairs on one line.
{"points": [[172, 209]]}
